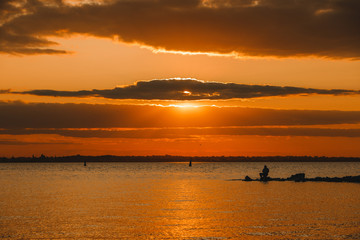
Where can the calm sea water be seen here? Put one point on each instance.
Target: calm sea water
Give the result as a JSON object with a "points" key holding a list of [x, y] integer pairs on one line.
{"points": [[174, 201]]}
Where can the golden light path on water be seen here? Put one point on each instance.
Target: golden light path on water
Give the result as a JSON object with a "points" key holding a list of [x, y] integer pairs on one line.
{"points": [[174, 201]]}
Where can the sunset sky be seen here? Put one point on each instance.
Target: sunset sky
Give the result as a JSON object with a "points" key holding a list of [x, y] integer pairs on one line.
{"points": [[180, 77]]}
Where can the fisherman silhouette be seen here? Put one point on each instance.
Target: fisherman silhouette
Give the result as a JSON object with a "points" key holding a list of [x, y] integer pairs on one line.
{"points": [[264, 174]]}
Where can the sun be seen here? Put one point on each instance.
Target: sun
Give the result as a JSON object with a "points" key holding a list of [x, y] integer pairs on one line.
{"points": [[187, 93], [184, 105]]}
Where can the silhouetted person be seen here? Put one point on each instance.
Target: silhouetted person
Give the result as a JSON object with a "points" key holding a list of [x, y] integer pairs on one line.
{"points": [[264, 174]]}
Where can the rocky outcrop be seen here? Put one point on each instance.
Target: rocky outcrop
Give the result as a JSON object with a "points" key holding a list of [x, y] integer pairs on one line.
{"points": [[300, 177]]}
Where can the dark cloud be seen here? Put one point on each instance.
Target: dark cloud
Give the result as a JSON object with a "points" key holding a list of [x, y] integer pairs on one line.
{"points": [[189, 89], [12, 142], [23, 44], [17, 142], [18, 115], [16, 43], [189, 132], [324, 28]]}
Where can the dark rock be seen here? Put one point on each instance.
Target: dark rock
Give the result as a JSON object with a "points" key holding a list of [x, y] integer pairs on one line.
{"points": [[265, 179], [351, 179], [247, 178], [317, 179], [299, 177]]}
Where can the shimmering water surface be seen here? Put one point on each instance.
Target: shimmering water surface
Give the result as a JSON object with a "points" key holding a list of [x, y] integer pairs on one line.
{"points": [[174, 201]]}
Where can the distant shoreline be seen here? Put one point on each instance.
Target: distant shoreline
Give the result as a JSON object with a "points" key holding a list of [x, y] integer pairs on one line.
{"points": [[170, 158]]}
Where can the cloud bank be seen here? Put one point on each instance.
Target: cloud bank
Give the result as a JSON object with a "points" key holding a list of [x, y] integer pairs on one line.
{"points": [[18, 115], [324, 28], [155, 122], [188, 89], [172, 133]]}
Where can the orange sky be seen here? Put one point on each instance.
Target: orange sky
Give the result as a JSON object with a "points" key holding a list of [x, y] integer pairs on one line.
{"points": [[254, 95]]}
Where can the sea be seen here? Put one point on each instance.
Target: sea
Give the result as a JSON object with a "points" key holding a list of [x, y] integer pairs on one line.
{"points": [[154, 200]]}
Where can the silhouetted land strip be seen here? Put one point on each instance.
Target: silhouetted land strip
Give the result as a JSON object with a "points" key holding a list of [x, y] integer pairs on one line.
{"points": [[170, 158], [300, 177]]}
